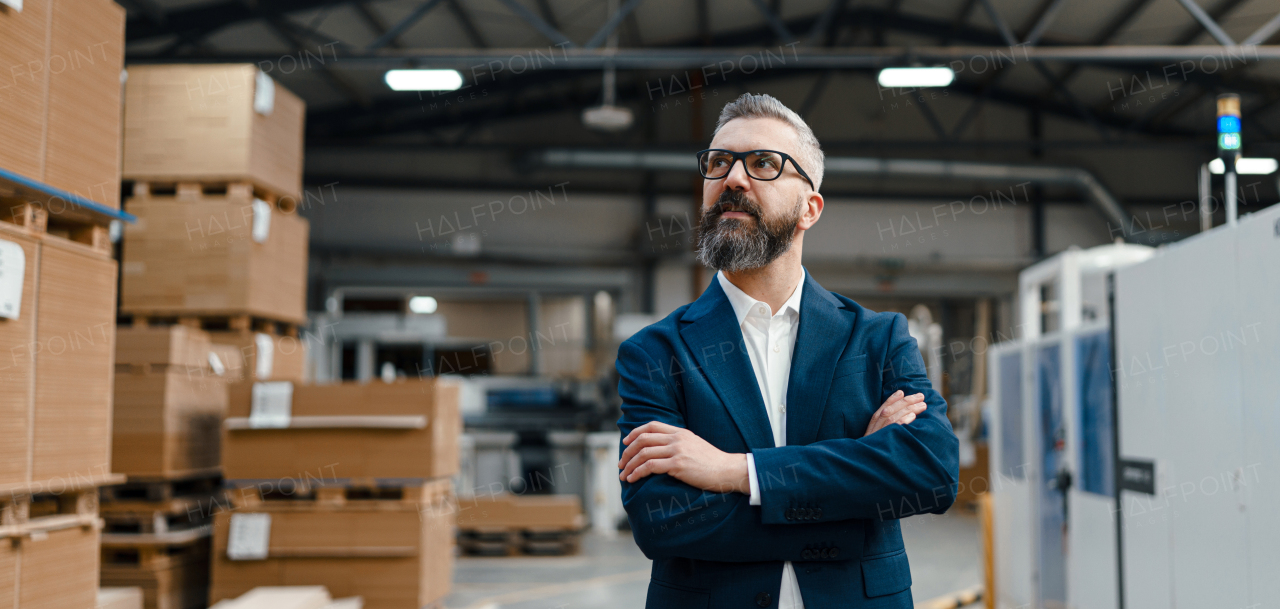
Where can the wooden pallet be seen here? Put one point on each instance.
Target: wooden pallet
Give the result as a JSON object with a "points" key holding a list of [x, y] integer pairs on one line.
{"points": [[163, 489], [211, 322], [58, 222], [502, 541], [339, 492], [25, 514], [196, 189]]}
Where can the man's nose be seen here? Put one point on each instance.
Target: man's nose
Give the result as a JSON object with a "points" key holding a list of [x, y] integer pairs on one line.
{"points": [[738, 178]]}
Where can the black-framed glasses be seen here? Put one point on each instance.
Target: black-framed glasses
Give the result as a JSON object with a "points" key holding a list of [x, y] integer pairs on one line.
{"points": [[763, 165]]}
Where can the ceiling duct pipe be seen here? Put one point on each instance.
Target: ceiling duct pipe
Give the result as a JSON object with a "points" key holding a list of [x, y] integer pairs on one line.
{"points": [[1080, 179]]}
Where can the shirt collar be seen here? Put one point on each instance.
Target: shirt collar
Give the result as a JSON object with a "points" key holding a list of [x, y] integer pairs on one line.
{"points": [[744, 304]]}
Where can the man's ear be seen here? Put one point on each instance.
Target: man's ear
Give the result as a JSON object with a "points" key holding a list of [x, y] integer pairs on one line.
{"points": [[812, 211]]}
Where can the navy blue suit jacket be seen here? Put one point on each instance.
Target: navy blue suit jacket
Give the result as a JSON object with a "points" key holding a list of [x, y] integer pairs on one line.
{"points": [[830, 498]]}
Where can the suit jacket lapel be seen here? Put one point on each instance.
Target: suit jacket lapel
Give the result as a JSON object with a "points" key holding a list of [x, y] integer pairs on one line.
{"points": [[710, 329], [825, 327]]}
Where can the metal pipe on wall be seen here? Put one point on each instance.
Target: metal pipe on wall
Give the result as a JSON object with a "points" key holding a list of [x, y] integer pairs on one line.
{"points": [[1080, 179]]}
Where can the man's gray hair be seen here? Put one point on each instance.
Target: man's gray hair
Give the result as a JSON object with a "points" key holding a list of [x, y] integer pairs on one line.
{"points": [[763, 105]]}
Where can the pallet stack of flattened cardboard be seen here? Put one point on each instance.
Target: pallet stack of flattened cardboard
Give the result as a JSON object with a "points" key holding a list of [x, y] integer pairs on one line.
{"points": [[59, 185], [213, 291], [215, 156], [170, 398], [504, 524], [344, 485]]}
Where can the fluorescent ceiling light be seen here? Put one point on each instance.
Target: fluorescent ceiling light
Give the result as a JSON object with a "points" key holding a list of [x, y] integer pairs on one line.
{"points": [[1247, 166], [424, 80], [916, 77], [422, 304]]}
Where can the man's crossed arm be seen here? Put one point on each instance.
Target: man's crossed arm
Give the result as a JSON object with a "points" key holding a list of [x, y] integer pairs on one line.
{"points": [[659, 448]]}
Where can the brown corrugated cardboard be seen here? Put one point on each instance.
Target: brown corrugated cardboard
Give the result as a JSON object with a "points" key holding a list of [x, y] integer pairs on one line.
{"points": [[59, 569], [86, 54], [356, 451], [196, 254], [167, 424], [9, 559], [179, 579], [506, 511], [197, 122], [23, 80], [395, 555], [17, 367], [74, 361], [288, 356], [178, 346]]}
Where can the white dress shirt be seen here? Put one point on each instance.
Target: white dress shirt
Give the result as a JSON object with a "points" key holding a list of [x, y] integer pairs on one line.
{"points": [[769, 339]]}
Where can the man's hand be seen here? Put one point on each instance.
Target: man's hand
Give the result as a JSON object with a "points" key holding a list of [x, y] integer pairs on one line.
{"points": [[897, 409], [658, 448]]}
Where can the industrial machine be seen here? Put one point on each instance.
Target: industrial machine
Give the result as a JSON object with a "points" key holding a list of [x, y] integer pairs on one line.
{"points": [[1163, 500]]}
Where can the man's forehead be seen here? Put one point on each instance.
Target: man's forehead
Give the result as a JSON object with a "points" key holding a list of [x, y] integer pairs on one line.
{"points": [[755, 133]]}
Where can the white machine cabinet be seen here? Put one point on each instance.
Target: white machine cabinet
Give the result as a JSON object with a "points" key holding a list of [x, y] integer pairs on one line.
{"points": [[1189, 447]]}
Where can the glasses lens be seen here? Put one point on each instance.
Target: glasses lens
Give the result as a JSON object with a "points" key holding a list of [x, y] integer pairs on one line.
{"points": [[763, 164], [715, 163]]}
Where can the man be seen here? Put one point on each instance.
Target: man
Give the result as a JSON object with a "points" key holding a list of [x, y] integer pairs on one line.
{"points": [[757, 469]]}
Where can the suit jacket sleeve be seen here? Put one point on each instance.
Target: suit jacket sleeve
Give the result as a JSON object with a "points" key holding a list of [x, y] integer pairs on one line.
{"points": [[898, 471], [671, 519]]}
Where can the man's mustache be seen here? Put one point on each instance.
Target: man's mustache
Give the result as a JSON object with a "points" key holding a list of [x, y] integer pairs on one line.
{"points": [[733, 201]]}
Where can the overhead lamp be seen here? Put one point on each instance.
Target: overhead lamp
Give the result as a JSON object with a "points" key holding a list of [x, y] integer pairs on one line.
{"points": [[1259, 167], [424, 80], [937, 76], [422, 304]]}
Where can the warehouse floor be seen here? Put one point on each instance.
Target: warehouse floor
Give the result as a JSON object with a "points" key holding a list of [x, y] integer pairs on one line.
{"points": [[945, 554]]}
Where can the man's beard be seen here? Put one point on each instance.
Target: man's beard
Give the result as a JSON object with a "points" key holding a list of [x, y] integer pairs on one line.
{"points": [[740, 244]]}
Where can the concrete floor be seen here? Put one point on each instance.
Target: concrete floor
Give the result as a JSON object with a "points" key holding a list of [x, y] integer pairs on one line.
{"points": [[945, 554]]}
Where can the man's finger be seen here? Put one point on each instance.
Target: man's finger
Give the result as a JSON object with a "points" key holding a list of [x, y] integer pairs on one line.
{"points": [[647, 454], [897, 395], [911, 410], [894, 410], [652, 466], [911, 416], [650, 427], [641, 441]]}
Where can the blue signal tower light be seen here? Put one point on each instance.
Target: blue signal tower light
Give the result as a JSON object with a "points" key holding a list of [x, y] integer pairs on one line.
{"points": [[1228, 124]]}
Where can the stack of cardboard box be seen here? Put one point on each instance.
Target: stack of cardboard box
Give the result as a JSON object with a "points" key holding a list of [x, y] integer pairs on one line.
{"points": [[505, 524], [60, 69], [213, 291], [215, 155], [171, 397], [343, 485]]}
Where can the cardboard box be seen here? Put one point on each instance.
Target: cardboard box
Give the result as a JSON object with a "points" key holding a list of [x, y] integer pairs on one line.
{"points": [[23, 78], [61, 117], [83, 137], [406, 429], [59, 569], [288, 356], [198, 123], [169, 403], [177, 580], [74, 362], [521, 512], [17, 367], [195, 253], [396, 555]]}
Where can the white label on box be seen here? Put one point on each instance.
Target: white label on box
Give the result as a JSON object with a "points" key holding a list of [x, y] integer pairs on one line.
{"points": [[215, 362], [266, 354], [249, 537], [261, 220], [16, 4], [272, 405], [13, 268], [264, 94]]}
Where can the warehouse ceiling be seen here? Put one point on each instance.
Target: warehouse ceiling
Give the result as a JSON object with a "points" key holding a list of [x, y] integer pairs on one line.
{"points": [[1122, 88]]}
